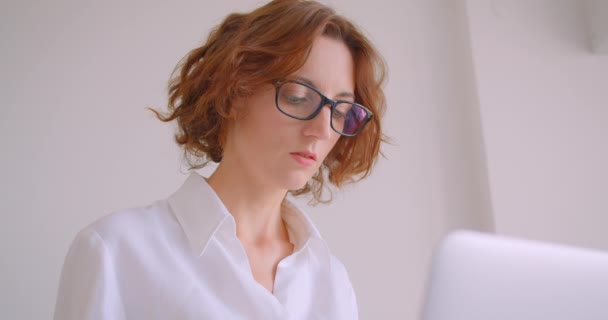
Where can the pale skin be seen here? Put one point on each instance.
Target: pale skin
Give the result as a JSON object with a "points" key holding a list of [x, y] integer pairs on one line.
{"points": [[258, 168]]}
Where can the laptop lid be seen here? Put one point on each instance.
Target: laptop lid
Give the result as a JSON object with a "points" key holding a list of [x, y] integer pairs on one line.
{"points": [[479, 276]]}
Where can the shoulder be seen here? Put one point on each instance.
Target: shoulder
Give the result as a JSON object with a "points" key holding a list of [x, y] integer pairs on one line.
{"points": [[108, 256], [339, 274], [140, 224], [339, 291], [337, 267]]}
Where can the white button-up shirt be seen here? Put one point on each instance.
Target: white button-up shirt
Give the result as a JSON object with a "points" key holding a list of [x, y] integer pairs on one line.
{"points": [[180, 258]]}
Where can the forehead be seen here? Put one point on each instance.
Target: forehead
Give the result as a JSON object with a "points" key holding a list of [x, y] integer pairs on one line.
{"points": [[329, 66]]}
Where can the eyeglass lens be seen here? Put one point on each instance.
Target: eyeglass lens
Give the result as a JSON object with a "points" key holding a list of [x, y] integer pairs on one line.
{"points": [[301, 102]]}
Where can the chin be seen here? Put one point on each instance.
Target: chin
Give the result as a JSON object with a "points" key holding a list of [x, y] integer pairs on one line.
{"points": [[296, 182], [296, 186]]}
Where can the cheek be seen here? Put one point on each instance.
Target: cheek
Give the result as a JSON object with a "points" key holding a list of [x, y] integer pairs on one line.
{"points": [[267, 132], [256, 122]]}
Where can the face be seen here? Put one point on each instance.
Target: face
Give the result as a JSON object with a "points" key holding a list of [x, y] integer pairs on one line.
{"points": [[281, 152]]}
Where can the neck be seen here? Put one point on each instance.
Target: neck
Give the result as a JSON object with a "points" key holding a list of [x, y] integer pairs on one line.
{"points": [[256, 207]]}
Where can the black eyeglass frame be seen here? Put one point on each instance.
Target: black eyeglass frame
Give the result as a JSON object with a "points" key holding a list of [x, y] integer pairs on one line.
{"points": [[324, 101]]}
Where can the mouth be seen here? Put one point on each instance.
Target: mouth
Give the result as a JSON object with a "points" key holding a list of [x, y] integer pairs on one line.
{"points": [[304, 158], [305, 154]]}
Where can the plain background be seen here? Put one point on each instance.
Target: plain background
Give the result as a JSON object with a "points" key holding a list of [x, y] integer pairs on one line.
{"points": [[498, 112]]}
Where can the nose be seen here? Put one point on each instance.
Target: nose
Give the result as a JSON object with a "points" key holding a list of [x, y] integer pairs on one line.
{"points": [[319, 126]]}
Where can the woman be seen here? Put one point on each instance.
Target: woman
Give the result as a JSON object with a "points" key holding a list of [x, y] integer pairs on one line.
{"points": [[283, 98]]}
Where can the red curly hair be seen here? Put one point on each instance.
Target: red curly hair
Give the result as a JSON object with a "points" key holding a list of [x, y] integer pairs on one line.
{"points": [[249, 50]]}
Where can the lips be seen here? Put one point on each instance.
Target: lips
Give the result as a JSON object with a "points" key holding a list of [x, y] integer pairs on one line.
{"points": [[304, 158], [306, 154]]}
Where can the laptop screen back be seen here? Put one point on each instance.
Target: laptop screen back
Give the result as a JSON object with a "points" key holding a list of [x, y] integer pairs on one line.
{"points": [[478, 276]]}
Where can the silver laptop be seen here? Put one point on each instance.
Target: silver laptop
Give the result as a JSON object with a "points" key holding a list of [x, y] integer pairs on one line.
{"points": [[478, 276]]}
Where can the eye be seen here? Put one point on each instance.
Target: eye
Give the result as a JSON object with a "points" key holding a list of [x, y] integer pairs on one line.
{"points": [[338, 115], [342, 110], [295, 100]]}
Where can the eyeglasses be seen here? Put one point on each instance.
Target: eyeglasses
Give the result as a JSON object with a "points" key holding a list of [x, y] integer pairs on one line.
{"points": [[303, 102]]}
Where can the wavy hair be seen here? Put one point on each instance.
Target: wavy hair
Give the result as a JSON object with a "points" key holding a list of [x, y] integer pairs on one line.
{"points": [[248, 50]]}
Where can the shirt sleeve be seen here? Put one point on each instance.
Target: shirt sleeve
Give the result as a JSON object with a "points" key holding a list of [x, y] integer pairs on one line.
{"points": [[351, 310], [353, 304], [88, 286]]}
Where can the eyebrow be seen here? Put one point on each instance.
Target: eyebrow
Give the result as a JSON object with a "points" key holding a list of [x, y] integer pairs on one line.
{"points": [[343, 94]]}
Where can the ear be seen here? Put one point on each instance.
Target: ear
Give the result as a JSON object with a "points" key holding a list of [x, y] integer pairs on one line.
{"points": [[231, 112], [238, 109]]}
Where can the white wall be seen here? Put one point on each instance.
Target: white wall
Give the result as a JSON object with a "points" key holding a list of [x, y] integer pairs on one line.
{"points": [[479, 141], [544, 106]]}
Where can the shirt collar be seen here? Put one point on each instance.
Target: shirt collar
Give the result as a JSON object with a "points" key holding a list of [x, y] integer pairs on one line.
{"points": [[200, 213], [198, 210], [299, 225]]}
